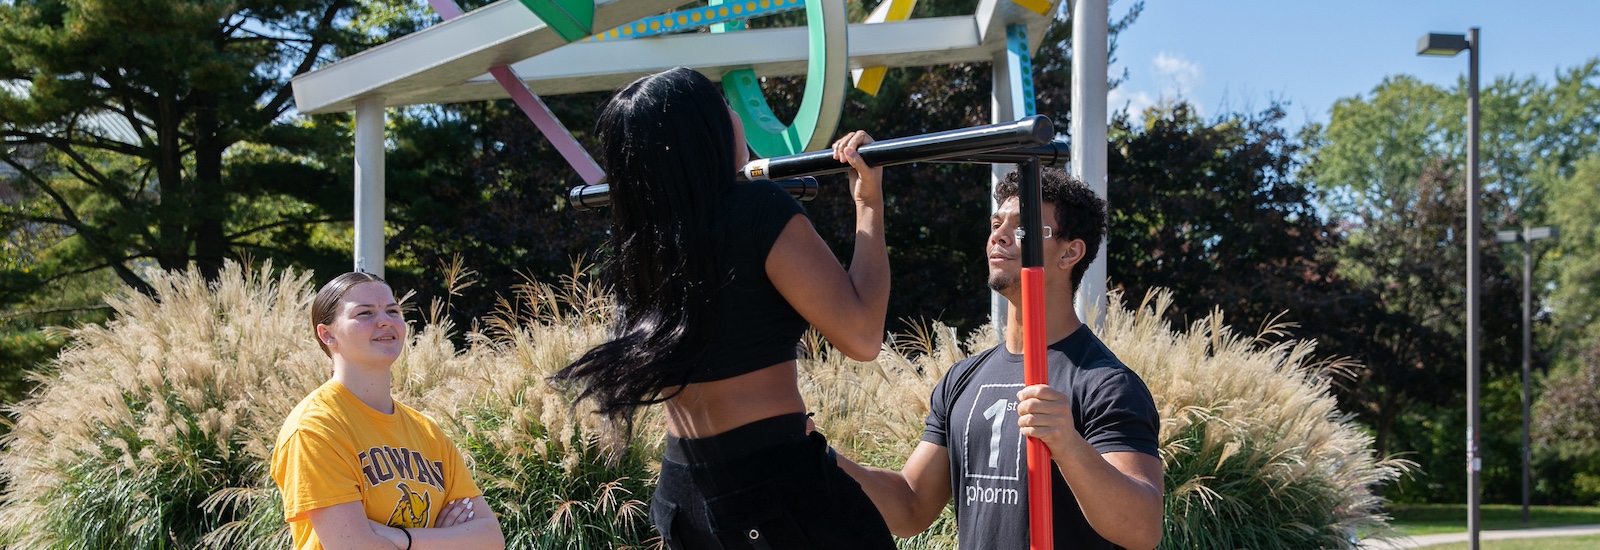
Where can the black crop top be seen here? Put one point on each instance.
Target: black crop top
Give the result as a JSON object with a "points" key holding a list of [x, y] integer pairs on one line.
{"points": [[755, 326]]}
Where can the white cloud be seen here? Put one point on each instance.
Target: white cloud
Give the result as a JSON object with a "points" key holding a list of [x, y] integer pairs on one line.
{"points": [[1120, 99], [1181, 75], [1171, 76]]}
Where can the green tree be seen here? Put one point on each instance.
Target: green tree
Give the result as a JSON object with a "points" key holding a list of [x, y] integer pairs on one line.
{"points": [[1534, 133], [1392, 162], [141, 135], [1375, 149], [1214, 211], [23, 342], [161, 130], [1574, 264], [1377, 145], [1412, 266], [1567, 423]]}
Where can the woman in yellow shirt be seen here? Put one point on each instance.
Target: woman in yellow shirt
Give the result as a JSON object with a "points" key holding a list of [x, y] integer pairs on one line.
{"points": [[358, 469]]}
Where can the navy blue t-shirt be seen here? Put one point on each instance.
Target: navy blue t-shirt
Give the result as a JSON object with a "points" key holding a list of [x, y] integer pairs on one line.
{"points": [[974, 416]]}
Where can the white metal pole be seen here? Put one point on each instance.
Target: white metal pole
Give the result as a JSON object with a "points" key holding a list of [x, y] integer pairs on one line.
{"points": [[1090, 44], [1010, 98], [369, 186]]}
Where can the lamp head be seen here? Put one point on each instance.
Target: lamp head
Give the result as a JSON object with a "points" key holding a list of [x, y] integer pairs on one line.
{"points": [[1443, 45], [1527, 234]]}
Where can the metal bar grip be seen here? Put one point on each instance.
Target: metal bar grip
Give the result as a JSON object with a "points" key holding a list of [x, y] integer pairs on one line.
{"points": [[1053, 154], [1034, 131]]}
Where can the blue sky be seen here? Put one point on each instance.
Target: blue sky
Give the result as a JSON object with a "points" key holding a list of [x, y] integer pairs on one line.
{"points": [[1236, 55]]}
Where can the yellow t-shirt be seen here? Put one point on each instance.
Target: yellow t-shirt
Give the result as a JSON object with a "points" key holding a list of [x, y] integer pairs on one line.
{"points": [[334, 449]]}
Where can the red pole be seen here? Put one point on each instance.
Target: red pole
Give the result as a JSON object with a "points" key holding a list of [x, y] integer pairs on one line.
{"points": [[1035, 367], [1035, 371]]}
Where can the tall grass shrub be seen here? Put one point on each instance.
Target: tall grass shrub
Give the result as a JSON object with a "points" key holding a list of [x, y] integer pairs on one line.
{"points": [[142, 418], [1257, 453], [154, 430]]}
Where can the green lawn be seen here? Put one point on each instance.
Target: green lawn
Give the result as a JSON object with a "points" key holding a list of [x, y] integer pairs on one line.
{"points": [[1553, 543], [1427, 519]]}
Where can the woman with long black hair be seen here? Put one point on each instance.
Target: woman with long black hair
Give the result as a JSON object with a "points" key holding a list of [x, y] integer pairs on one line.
{"points": [[715, 281]]}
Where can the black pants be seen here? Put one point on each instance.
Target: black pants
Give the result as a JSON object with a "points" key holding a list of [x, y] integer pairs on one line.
{"points": [[764, 485]]}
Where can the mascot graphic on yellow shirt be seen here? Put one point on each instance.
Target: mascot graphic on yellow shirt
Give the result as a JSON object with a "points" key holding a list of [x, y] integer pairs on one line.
{"points": [[412, 510]]}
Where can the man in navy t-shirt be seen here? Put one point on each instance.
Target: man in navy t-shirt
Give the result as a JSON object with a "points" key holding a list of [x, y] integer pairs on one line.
{"points": [[1096, 416]]}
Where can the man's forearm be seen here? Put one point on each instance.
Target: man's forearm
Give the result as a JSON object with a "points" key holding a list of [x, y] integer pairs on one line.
{"points": [[889, 493], [1119, 493]]}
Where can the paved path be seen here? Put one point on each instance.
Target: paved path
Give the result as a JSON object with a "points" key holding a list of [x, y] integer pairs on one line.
{"points": [[1447, 538]]}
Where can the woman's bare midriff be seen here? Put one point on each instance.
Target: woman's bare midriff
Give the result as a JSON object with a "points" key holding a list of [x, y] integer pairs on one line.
{"points": [[710, 408]]}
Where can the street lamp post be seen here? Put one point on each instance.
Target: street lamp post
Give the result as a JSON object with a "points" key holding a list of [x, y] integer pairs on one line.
{"points": [[1449, 45], [1526, 237]]}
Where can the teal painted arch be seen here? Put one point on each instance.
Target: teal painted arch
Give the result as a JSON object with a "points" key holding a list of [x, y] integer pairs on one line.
{"points": [[827, 72]]}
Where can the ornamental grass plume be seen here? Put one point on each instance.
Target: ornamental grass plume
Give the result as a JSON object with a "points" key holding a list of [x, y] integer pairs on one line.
{"points": [[138, 421], [1256, 452]]}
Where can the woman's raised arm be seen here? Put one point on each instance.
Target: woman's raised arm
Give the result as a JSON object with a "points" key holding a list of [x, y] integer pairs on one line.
{"points": [[847, 307]]}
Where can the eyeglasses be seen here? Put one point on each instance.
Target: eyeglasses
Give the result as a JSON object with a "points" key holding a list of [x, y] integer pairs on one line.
{"points": [[1048, 232]]}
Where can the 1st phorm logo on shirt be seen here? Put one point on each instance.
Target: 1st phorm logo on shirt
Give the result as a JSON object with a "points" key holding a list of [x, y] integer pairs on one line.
{"points": [[992, 461], [992, 495]]}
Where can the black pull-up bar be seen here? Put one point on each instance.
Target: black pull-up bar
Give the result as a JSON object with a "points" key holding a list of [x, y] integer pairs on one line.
{"points": [[1033, 131], [1005, 143], [588, 197]]}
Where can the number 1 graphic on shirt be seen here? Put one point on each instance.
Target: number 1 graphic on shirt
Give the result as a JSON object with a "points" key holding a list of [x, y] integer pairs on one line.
{"points": [[993, 412]]}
